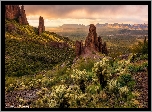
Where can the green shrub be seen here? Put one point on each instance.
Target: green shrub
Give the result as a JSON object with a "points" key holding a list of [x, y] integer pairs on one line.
{"points": [[144, 56], [137, 68], [86, 64], [126, 80], [28, 59], [61, 70], [142, 47]]}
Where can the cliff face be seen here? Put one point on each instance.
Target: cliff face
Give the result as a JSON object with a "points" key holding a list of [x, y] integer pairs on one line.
{"points": [[41, 26], [12, 11], [15, 12]]}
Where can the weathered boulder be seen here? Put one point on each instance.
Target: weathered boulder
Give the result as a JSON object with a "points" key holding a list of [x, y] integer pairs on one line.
{"points": [[41, 27]]}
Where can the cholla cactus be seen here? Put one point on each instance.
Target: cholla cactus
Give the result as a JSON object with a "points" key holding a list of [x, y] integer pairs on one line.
{"points": [[113, 85], [80, 77], [52, 103], [57, 95], [101, 71], [123, 90], [93, 88], [77, 74], [59, 90]]}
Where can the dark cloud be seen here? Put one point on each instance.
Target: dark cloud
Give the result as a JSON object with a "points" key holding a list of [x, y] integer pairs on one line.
{"points": [[64, 11]]}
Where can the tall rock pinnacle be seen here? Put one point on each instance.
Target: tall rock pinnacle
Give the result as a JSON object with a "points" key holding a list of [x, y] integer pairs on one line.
{"points": [[91, 39], [41, 26], [22, 16]]}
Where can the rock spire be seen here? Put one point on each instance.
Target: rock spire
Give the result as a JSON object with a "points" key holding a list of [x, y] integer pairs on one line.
{"points": [[41, 27]]}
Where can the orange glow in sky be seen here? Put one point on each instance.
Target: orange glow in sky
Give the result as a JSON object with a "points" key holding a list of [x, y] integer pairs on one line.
{"points": [[56, 15]]}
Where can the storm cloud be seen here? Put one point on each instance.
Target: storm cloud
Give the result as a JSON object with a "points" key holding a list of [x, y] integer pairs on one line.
{"points": [[89, 11], [84, 14]]}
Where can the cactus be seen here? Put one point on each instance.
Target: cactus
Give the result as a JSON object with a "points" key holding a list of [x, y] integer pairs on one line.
{"points": [[100, 69]]}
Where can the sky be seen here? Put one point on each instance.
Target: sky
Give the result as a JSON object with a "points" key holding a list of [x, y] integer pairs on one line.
{"points": [[57, 15]]}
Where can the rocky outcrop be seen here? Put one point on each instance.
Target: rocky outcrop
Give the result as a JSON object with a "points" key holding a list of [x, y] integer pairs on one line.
{"points": [[91, 39], [78, 48], [92, 42], [10, 27], [100, 45], [58, 44], [22, 16], [41, 27], [14, 12]]}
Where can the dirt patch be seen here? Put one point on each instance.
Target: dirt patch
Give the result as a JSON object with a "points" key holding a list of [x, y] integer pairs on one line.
{"points": [[12, 98], [142, 87]]}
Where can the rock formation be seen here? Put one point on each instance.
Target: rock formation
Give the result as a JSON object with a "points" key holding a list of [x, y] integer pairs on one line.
{"points": [[100, 44], [58, 44], [104, 49], [22, 16], [41, 26], [10, 27], [14, 12], [78, 48], [92, 42], [91, 39]]}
